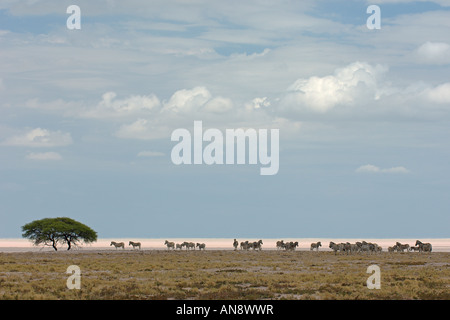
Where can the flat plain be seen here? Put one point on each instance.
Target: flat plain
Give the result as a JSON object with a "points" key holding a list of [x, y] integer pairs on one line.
{"points": [[222, 275]]}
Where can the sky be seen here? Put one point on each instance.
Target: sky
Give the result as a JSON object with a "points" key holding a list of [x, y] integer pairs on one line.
{"points": [[86, 117]]}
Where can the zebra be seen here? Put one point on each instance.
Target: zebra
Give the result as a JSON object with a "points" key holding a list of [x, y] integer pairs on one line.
{"points": [[235, 244], [315, 246], [335, 247], [280, 244], [402, 247], [201, 246], [257, 245], [291, 245], [117, 244], [191, 245], [188, 245], [416, 248], [135, 244], [178, 246], [170, 245], [427, 247]]}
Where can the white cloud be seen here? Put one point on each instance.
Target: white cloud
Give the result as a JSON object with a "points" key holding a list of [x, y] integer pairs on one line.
{"points": [[368, 168], [143, 129], [434, 53], [343, 87], [44, 156], [150, 154], [187, 100], [40, 138], [439, 94], [110, 107], [218, 105], [257, 103]]}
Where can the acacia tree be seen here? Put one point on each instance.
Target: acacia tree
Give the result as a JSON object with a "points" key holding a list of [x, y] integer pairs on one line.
{"points": [[51, 231]]}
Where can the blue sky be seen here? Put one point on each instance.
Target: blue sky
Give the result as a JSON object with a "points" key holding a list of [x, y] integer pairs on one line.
{"points": [[86, 117]]}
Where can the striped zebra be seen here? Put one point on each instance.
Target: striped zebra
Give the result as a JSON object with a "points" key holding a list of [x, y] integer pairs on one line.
{"points": [[188, 245], [402, 247], [257, 245], [135, 244], [335, 247], [291, 245], [426, 247], [280, 244], [201, 246], [170, 245], [416, 248], [316, 246], [117, 244], [178, 246], [235, 244]]}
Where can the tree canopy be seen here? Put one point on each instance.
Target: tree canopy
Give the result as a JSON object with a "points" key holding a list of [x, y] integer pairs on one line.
{"points": [[51, 231]]}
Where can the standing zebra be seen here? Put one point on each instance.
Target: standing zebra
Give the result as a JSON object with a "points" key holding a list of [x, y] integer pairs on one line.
{"points": [[235, 244], [117, 244], [426, 247], [135, 244], [315, 246], [169, 245], [201, 246]]}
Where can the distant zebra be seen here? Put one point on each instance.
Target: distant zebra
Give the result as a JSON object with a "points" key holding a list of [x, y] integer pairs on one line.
{"points": [[315, 246], [235, 244], [201, 246], [416, 248], [291, 245], [188, 245], [402, 247], [280, 244], [335, 247], [170, 245], [178, 246], [257, 245], [245, 245], [117, 244], [135, 244], [426, 247]]}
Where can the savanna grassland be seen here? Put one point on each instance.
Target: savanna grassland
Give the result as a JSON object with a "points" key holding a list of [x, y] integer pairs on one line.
{"points": [[223, 274]]}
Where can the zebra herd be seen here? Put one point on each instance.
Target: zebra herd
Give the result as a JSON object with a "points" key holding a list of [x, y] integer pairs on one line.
{"points": [[288, 246], [247, 245], [419, 246], [344, 248], [357, 247], [188, 245]]}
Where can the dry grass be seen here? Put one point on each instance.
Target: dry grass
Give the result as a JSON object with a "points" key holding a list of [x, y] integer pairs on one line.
{"points": [[221, 275]]}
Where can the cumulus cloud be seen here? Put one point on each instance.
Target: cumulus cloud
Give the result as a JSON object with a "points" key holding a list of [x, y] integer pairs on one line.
{"points": [[257, 103], [368, 168], [40, 138], [134, 105], [434, 53], [44, 156], [321, 94], [439, 94]]}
